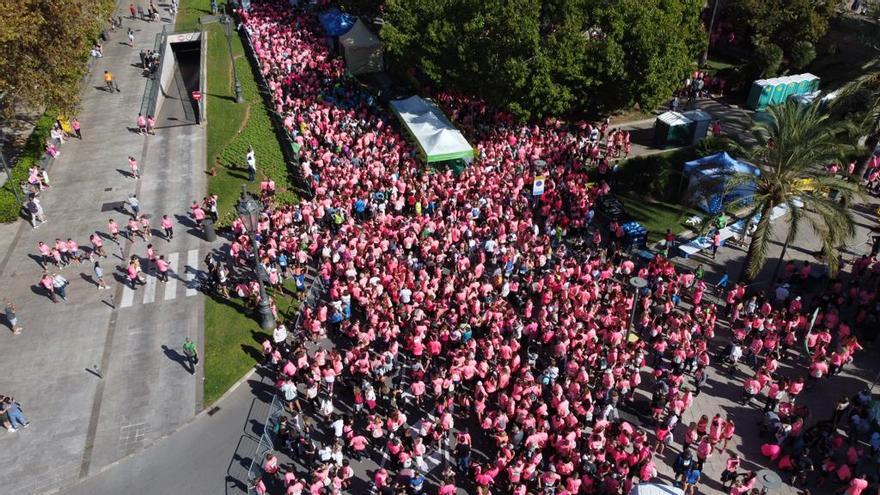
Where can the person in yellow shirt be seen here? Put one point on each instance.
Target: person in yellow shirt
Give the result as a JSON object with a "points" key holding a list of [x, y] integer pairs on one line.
{"points": [[108, 80]]}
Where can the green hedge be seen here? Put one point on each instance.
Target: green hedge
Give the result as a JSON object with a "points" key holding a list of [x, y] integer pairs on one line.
{"points": [[658, 176], [31, 154]]}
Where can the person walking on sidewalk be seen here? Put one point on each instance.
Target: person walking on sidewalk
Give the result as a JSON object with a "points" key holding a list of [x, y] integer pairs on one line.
{"points": [[251, 159], [113, 229], [59, 284], [97, 245], [133, 167], [133, 10], [162, 269], [99, 276], [168, 227], [108, 80], [49, 285], [151, 125], [36, 211], [130, 38], [12, 318], [192, 354], [141, 124], [74, 124], [135, 205]]}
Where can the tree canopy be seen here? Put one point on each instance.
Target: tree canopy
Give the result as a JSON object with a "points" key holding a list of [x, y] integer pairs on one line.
{"points": [[44, 45], [792, 26], [549, 57]]}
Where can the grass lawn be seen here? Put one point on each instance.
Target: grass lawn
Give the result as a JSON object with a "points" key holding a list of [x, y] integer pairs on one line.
{"points": [[714, 65], [233, 338], [232, 333], [656, 216]]}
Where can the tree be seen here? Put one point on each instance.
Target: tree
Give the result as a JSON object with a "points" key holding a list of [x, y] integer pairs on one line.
{"points": [[787, 23], [858, 104], [537, 58], [44, 46], [768, 58], [794, 143]]}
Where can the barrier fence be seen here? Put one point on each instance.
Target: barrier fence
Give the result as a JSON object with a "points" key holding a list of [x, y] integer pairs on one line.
{"points": [[269, 439]]}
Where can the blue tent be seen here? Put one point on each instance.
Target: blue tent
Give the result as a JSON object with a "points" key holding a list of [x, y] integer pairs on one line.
{"points": [[708, 181], [336, 23]]}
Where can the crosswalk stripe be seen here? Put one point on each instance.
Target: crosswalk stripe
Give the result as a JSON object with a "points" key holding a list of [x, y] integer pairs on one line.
{"points": [[171, 285], [150, 290], [127, 297], [192, 261]]}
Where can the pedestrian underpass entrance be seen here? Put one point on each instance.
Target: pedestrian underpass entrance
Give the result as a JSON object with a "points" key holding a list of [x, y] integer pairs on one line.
{"points": [[174, 90]]}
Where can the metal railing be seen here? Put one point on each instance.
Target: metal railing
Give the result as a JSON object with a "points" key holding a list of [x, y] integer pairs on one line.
{"points": [[269, 438], [154, 81], [267, 442]]}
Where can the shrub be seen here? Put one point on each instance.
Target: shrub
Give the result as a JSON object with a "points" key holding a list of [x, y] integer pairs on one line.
{"points": [[768, 59], [712, 145], [31, 154], [801, 54]]}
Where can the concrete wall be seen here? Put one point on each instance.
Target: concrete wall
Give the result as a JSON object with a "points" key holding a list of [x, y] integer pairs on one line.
{"points": [[166, 68]]}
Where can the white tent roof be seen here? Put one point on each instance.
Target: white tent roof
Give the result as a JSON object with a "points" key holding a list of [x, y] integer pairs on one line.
{"points": [[437, 138], [655, 489], [362, 48]]}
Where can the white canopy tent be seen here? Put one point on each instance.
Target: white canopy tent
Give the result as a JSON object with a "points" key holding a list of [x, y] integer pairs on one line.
{"points": [[436, 137], [362, 49], [655, 489]]}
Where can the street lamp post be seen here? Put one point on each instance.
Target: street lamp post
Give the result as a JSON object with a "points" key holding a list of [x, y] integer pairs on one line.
{"points": [[705, 55], [637, 284], [249, 212], [239, 97]]}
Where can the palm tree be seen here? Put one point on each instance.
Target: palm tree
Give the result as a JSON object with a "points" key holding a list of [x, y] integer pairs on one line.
{"points": [[791, 144], [858, 103]]}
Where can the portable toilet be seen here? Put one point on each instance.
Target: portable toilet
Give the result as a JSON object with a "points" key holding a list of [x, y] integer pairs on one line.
{"points": [[700, 125], [811, 82], [672, 129], [793, 86], [760, 94], [780, 90]]}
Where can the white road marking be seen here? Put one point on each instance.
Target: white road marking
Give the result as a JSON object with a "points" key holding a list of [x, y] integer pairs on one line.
{"points": [[192, 261], [171, 285], [127, 297]]}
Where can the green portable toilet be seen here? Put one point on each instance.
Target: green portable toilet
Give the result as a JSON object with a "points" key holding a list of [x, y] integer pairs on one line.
{"points": [[780, 91], [793, 86], [811, 83], [672, 129], [760, 94]]}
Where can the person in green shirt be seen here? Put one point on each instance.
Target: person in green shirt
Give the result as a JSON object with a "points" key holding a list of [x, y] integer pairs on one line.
{"points": [[721, 221], [191, 353], [699, 273]]}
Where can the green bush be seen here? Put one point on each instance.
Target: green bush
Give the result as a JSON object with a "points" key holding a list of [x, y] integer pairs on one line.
{"points": [[801, 54], [712, 145], [768, 59], [30, 155]]}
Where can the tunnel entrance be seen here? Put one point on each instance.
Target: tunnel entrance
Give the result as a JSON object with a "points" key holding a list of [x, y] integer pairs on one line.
{"points": [[180, 108]]}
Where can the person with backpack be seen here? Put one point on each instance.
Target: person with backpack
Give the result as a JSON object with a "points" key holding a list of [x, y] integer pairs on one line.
{"points": [[191, 353]]}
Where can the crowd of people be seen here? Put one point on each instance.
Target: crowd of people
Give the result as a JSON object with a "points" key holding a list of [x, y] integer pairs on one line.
{"points": [[476, 323]]}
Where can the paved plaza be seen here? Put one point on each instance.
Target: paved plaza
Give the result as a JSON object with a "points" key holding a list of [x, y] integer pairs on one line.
{"points": [[82, 421]]}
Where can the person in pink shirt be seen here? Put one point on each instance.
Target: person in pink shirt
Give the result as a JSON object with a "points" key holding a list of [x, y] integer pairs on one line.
{"points": [[141, 124], [167, 227]]}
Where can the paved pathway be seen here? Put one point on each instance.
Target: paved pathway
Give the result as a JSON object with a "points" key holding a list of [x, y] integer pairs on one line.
{"points": [[81, 422], [734, 121]]}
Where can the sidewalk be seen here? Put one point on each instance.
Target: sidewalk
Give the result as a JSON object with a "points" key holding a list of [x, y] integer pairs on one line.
{"points": [[81, 422], [734, 121]]}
